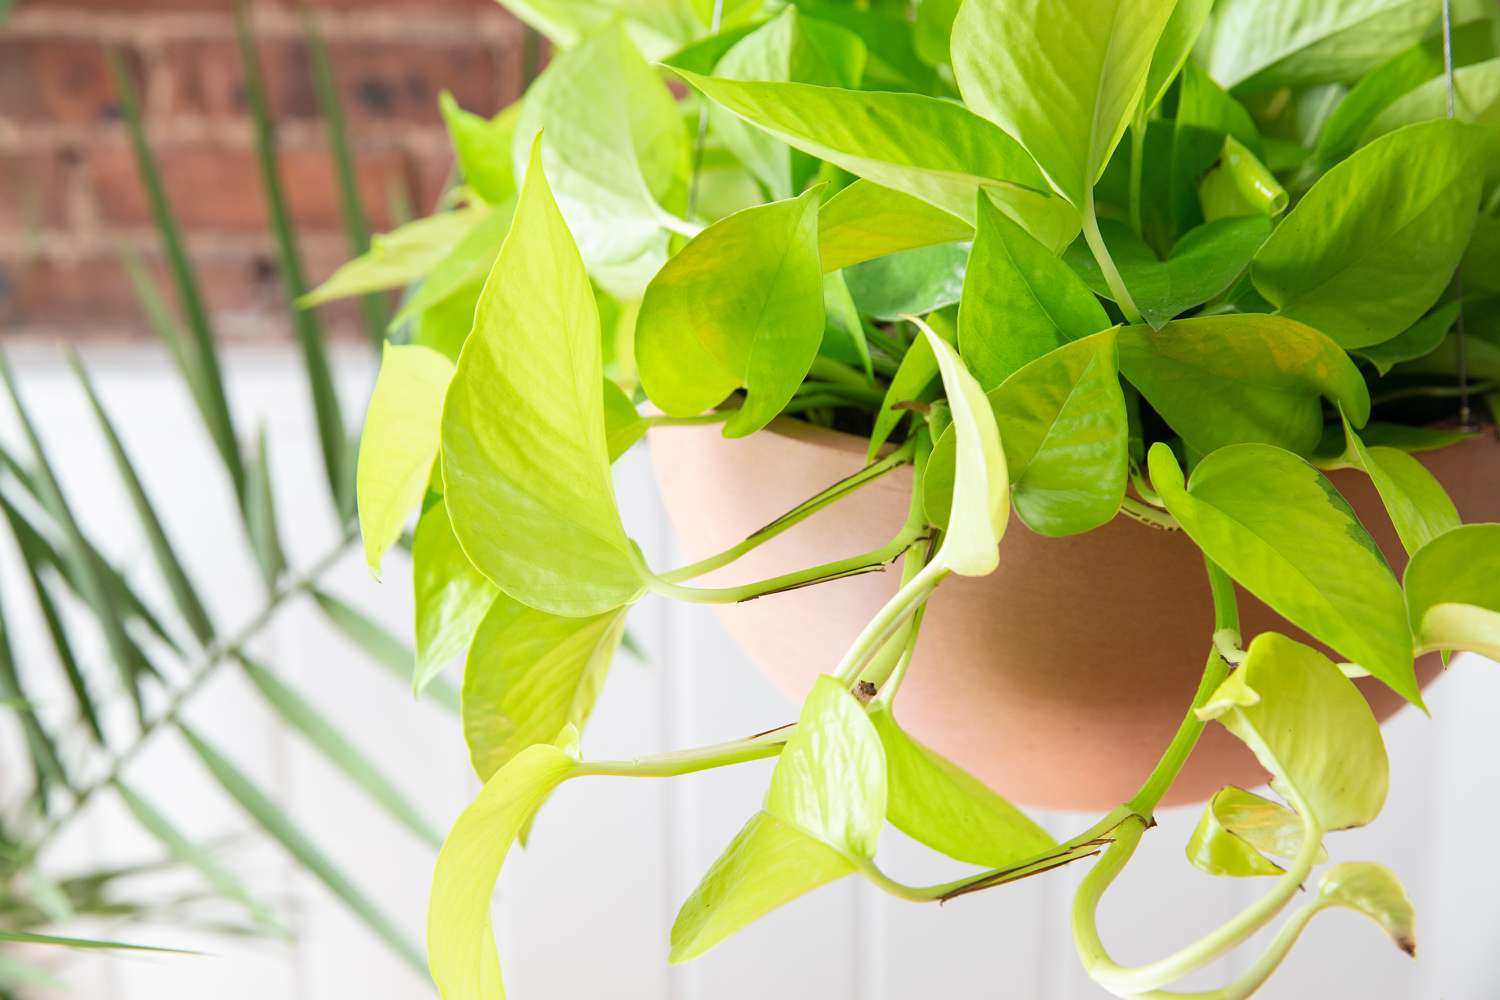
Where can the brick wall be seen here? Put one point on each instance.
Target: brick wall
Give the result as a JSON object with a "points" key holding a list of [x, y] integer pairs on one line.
{"points": [[69, 193]]}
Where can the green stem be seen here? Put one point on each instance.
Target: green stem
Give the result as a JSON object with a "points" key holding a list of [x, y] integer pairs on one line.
{"points": [[680, 762], [662, 420], [888, 668], [918, 583], [795, 516], [1149, 515], [869, 562], [1135, 980], [1107, 263], [1256, 975], [829, 370], [853, 393], [1141, 805], [1226, 622]]}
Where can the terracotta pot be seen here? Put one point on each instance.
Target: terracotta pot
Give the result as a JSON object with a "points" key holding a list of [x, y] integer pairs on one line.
{"points": [[1060, 678]]}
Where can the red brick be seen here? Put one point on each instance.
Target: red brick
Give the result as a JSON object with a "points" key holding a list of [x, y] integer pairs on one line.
{"points": [[377, 81], [33, 190], [217, 187], [58, 81], [92, 296]]}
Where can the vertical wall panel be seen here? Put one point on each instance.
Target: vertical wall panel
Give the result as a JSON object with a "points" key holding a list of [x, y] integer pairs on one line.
{"points": [[586, 909]]}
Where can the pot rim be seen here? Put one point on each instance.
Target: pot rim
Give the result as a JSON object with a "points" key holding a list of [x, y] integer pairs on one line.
{"points": [[845, 443]]}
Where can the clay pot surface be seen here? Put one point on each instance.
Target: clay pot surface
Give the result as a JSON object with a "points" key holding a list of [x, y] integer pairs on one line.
{"points": [[1060, 678]]}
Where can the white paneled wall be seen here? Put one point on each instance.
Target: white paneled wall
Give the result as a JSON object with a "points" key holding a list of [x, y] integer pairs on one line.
{"points": [[584, 911]]}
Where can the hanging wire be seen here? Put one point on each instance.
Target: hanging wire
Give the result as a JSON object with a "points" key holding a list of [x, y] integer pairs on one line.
{"points": [[692, 207], [1465, 413]]}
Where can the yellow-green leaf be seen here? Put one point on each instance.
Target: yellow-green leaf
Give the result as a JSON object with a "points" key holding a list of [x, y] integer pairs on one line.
{"points": [[525, 457], [529, 674], [399, 442], [933, 800], [1310, 727], [705, 330], [461, 951], [769, 863]]}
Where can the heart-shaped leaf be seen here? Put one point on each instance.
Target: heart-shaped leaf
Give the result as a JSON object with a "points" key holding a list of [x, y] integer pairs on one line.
{"points": [[1201, 266], [769, 863], [936, 150], [399, 442], [1310, 727], [1238, 829], [1375, 891], [1068, 82], [934, 801], [1418, 505], [1066, 434], [865, 221], [702, 333], [981, 486], [1265, 44], [1221, 380], [1395, 216], [910, 282], [1019, 301], [787, 48], [529, 674], [1279, 528], [616, 152], [830, 780], [1453, 591], [449, 594], [460, 941], [525, 458]]}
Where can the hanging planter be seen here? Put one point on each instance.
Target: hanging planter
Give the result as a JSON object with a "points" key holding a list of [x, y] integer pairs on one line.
{"points": [[1057, 679], [1042, 390]]}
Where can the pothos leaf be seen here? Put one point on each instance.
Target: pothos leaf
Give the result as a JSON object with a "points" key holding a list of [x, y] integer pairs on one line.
{"points": [[1238, 829], [1310, 727], [789, 48], [1173, 48], [1019, 301], [1416, 502], [1375, 891], [1395, 216], [529, 674], [981, 487], [615, 149], [1453, 591], [1280, 529], [1066, 435], [935, 150], [1265, 44], [865, 221], [460, 941], [399, 443], [524, 452], [702, 332], [623, 425], [1201, 265], [1068, 85], [914, 374], [936, 802], [830, 780], [769, 863], [397, 258], [482, 147], [1221, 380], [450, 596]]}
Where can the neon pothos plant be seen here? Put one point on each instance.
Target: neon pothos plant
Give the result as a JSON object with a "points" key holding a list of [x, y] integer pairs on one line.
{"points": [[927, 227]]}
